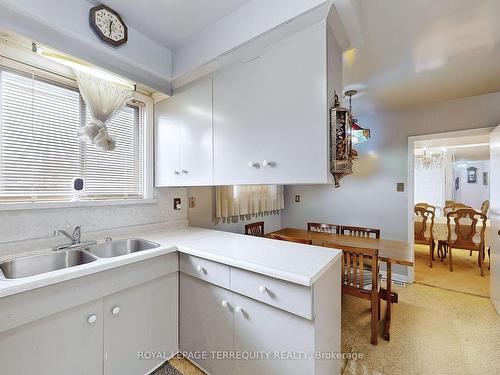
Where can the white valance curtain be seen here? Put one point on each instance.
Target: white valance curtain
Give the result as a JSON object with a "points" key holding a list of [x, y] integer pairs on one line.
{"points": [[104, 99], [248, 200]]}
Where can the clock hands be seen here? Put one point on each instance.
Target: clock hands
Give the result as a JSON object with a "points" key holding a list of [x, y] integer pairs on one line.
{"points": [[110, 24]]}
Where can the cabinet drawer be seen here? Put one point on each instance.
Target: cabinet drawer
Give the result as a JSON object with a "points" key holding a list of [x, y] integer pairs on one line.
{"points": [[287, 296], [207, 270]]}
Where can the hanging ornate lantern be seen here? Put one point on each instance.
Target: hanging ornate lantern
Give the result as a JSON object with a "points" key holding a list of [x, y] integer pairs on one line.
{"points": [[341, 152]]}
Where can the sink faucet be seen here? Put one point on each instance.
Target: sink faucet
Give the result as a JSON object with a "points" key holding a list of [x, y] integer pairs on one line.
{"points": [[75, 239]]}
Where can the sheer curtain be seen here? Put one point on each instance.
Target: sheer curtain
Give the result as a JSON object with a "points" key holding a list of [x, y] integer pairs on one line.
{"points": [[104, 99], [248, 200]]}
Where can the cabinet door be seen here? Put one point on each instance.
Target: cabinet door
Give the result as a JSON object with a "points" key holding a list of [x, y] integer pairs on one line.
{"points": [[260, 328], [195, 104], [69, 342], [167, 143], [140, 326], [206, 325], [274, 109], [184, 140]]}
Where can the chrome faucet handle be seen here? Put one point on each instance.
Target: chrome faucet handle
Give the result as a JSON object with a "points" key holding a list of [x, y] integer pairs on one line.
{"points": [[77, 234]]}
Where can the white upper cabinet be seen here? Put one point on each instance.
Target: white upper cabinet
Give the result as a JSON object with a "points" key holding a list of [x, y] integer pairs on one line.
{"points": [[270, 115], [184, 155]]}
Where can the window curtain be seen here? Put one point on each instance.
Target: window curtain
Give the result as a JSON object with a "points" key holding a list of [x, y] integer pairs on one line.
{"points": [[104, 99], [248, 200]]}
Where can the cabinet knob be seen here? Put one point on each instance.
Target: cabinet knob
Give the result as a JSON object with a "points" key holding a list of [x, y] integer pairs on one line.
{"points": [[115, 310], [238, 309], [177, 173], [262, 289], [92, 319], [183, 171], [253, 164], [267, 163], [199, 269], [224, 303]]}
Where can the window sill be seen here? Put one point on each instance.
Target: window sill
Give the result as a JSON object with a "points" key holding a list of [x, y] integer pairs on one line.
{"points": [[69, 204]]}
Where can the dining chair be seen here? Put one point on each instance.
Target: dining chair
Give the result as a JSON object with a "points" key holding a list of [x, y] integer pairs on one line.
{"points": [[448, 202], [290, 239], [359, 281], [485, 207], [423, 227], [324, 228], [465, 234], [255, 229], [359, 231], [426, 206]]}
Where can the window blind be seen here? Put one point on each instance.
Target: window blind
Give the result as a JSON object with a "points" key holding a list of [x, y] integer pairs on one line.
{"points": [[40, 154]]}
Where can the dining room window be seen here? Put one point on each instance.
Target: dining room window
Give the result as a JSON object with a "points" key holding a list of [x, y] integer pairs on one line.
{"points": [[40, 154]]}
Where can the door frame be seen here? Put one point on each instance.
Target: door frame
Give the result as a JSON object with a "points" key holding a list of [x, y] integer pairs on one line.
{"points": [[411, 177]]}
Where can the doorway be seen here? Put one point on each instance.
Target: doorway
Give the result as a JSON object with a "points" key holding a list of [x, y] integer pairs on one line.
{"points": [[448, 171]]}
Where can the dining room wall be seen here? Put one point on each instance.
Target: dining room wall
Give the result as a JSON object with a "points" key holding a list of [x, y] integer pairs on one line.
{"points": [[368, 197]]}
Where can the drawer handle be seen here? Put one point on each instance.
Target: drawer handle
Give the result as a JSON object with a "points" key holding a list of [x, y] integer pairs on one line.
{"points": [[262, 289], [200, 269], [115, 310], [92, 319], [239, 309], [224, 303]]}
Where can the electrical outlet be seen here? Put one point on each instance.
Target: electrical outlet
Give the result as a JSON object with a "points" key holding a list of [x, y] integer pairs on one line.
{"points": [[297, 198], [192, 202], [177, 204], [400, 186]]}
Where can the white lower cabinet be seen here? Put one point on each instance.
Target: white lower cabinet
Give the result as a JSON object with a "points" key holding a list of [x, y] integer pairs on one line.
{"points": [[262, 332], [140, 326], [288, 339], [69, 342], [206, 324]]}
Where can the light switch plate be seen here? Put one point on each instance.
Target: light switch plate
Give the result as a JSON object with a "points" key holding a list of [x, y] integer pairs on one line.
{"points": [[297, 198], [192, 202], [400, 186]]}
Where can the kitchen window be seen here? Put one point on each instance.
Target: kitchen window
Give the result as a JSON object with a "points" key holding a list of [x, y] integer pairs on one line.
{"points": [[40, 154]]}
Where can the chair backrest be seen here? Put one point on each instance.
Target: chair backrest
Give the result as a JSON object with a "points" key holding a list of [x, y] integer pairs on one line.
{"points": [[290, 239], [454, 206], [485, 207], [324, 228], [423, 223], [360, 232], [463, 231], [255, 229], [427, 206], [448, 203], [353, 261]]}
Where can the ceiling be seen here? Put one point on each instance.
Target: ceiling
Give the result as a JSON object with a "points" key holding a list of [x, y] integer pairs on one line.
{"points": [[415, 52], [172, 22], [470, 148]]}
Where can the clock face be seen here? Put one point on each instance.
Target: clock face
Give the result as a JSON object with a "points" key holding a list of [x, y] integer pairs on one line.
{"points": [[108, 25]]}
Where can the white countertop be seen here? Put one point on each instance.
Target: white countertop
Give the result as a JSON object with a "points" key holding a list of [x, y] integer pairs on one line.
{"points": [[297, 263]]}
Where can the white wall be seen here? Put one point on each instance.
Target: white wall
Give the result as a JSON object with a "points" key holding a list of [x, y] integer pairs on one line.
{"points": [[369, 196], [64, 25], [40, 223], [203, 214], [472, 194], [430, 185]]}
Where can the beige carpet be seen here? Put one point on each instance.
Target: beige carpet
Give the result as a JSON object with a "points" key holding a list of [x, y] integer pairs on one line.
{"points": [[466, 275], [434, 332]]}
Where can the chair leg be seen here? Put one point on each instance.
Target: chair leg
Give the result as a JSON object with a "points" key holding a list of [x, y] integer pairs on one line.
{"points": [[374, 318], [433, 247], [379, 306], [450, 261], [489, 258], [481, 252], [470, 253], [431, 255]]}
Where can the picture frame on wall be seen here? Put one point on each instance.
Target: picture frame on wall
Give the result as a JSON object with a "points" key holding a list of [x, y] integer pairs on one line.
{"points": [[472, 175], [485, 178]]}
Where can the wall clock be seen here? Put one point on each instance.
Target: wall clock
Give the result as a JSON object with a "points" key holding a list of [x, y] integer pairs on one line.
{"points": [[108, 25]]}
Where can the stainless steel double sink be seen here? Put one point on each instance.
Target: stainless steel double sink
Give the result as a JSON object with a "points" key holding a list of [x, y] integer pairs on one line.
{"points": [[38, 264]]}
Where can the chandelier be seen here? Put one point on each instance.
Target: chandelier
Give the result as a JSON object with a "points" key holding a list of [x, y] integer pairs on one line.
{"points": [[430, 160]]}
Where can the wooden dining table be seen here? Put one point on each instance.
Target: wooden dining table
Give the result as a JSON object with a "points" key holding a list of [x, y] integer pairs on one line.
{"points": [[389, 251]]}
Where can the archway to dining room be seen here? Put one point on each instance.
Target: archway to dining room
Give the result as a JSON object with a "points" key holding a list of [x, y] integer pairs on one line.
{"points": [[448, 209]]}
